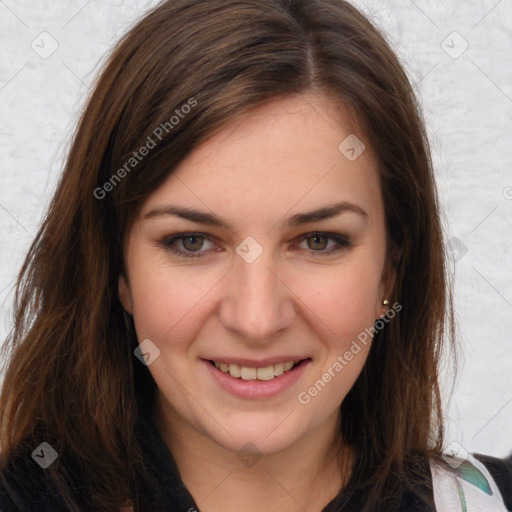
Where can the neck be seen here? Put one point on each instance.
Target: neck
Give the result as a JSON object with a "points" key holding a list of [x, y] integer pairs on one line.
{"points": [[304, 476]]}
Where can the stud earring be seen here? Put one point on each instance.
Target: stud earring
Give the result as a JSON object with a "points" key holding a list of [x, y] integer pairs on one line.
{"points": [[385, 302]]}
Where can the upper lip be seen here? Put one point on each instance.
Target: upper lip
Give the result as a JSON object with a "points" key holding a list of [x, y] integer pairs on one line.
{"points": [[261, 363]]}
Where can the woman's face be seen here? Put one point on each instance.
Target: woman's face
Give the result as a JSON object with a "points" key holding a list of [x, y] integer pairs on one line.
{"points": [[246, 291]]}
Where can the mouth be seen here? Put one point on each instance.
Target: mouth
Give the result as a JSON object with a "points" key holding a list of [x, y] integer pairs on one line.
{"points": [[266, 373], [257, 380]]}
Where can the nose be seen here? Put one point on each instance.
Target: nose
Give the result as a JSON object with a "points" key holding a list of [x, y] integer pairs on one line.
{"points": [[257, 303]]}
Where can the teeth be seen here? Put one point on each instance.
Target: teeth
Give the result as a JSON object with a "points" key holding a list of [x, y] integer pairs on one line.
{"points": [[248, 373], [287, 366], [235, 370], [266, 373], [278, 369]]}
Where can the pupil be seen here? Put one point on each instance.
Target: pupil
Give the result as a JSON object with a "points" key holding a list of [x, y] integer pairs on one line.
{"points": [[316, 237], [198, 244]]}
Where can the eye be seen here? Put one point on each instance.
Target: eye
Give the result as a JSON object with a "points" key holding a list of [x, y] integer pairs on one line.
{"points": [[320, 242], [191, 245]]}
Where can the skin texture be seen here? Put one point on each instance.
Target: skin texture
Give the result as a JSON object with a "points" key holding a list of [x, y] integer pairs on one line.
{"points": [[278, 160]]}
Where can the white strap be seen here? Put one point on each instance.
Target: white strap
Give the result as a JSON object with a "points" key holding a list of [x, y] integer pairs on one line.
{"points": [[454, 493]]}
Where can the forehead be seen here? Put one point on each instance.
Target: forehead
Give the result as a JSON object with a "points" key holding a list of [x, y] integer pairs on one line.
{"points": [[281, 157]]}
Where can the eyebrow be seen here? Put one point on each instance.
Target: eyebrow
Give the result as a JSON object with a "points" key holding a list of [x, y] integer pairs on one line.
{"points": [[324, 212]]}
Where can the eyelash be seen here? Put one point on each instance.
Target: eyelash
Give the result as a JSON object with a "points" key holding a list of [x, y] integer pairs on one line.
{"points": [[169, 243]]}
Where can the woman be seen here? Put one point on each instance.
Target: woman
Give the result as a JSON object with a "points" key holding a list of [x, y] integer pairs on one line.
{"points": [[238, 297]]}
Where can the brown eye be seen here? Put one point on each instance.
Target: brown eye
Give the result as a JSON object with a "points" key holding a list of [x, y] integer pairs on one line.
{"points": [[186, 245], [325, 244], [192, 243], [319, 242]]}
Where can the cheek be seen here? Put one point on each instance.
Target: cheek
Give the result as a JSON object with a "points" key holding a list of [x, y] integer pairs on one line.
{"points": [[346, 304], [167, 301], [344, 298]]}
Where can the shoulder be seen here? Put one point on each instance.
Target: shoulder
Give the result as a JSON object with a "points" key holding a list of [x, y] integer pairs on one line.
{"points": [[473, 483], [501, 471]]}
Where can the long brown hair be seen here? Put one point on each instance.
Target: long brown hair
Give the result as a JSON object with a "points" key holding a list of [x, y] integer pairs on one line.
{"points": [[72, 377]]}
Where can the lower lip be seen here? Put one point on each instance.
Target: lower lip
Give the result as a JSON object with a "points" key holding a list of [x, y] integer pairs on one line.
{"points": [[257, 388]]}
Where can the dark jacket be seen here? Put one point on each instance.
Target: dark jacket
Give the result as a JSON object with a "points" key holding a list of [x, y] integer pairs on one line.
{"points": [[25, 486]]}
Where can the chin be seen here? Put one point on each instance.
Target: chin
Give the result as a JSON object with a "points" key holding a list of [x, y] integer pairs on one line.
{"points": [[252, 433]]}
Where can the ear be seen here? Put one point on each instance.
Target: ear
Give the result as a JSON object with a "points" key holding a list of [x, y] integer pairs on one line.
{"points": [[388, 280], [125, 294]]}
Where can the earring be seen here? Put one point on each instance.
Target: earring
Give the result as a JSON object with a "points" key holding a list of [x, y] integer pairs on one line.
{"points": [[385, 302]]}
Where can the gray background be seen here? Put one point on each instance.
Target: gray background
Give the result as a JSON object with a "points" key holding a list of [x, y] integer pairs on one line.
{"points": [[467, 98]]}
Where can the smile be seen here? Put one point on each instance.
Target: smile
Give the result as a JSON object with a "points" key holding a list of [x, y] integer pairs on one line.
{"points": [[256, 379], [251, 373]]}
